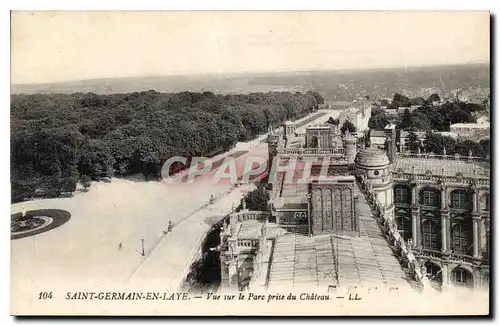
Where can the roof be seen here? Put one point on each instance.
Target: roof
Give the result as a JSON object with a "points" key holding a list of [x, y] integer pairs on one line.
{"points": [[320, 261], [318, 126], [448, 134], [294, 190], [333, 179], [420, 134], [377, 133], [470, 125], [371, 157], [250, 229], [294, 206]]}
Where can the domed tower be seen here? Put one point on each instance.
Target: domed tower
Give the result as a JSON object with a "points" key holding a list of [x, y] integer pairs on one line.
{"points": [[373, 165], [390, 142], [349, 147]]}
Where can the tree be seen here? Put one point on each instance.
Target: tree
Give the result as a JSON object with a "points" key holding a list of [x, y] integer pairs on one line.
{"points": [[466, 147], [405, 120], [85, 181], [333, 121], [434, 98], [401, 100], [347, 125], [58, 137], [413, 143], [435, 143], [419, 122], [257, 199], [378, 120], [484, 146]]}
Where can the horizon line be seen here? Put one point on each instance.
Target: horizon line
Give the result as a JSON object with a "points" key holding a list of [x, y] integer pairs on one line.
{"points": [[227, 74]]}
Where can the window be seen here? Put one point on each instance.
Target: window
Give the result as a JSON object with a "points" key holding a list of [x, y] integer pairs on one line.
{"points": [[459, 199], [433, 271], [404, 227], [401, 195], [430, 197], [430, 235], [376, 172], [300, 217], [460, 239], [460, 276]]}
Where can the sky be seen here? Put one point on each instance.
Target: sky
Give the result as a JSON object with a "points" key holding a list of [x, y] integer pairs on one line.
{"points": [[63, 46]]}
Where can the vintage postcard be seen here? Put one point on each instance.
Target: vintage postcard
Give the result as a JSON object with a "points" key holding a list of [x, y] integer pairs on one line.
{"points": [[250, 163]]}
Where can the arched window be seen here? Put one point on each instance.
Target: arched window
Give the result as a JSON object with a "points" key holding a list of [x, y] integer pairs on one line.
{"points": [[433, 271], [401, 194], [404, 227], [460, 239], [462, 277], [430, 235], [459, 199], [429, 197]]}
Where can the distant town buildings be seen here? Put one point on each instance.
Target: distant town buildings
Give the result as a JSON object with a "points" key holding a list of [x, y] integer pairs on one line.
{"points": [[471, 131], [359, 113]]}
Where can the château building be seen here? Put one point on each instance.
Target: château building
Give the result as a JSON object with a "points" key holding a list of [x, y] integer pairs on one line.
{"points": [[339, 212]]}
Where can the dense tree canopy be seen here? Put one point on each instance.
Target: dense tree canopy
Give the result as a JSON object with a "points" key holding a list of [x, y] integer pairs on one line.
{"points": [[436, 143], [57, 138], [257, 199], [427, 116], [348, 125], [378, 120]]}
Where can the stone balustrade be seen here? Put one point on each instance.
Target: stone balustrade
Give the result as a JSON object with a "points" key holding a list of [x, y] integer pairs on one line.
{"points": [[252, 216], [455, 157], [428, 253], [459, 258], [479, 180], [312, 151], [450, 257], [248, 243]]}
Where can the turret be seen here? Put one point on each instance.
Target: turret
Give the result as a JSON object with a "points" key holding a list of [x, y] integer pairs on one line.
{"points": [[390, 142], [288, 130], [349, 142]]}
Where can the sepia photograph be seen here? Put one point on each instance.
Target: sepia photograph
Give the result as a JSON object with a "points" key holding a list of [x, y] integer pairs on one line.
{"points": [[264, 163]]}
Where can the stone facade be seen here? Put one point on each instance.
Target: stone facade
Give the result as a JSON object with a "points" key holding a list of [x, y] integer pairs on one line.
{"points": [[447, 220], [333, 207]]}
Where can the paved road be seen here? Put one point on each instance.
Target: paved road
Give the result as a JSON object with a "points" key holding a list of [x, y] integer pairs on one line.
{"points": [[169, 260]]}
